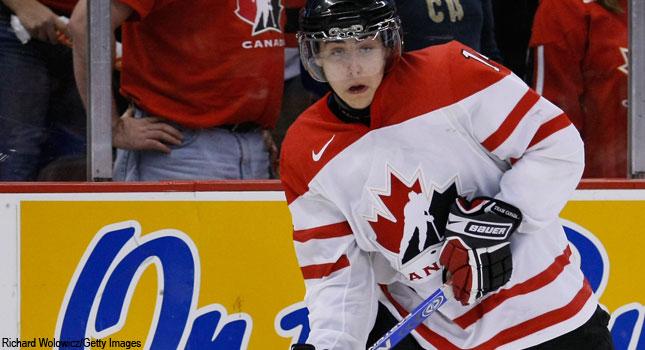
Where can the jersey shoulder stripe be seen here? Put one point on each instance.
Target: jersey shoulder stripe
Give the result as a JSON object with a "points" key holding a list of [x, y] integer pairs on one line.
{"points": [[511, 121], [549, 128]]}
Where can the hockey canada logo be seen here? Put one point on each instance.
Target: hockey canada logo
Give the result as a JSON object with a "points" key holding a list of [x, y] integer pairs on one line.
{"points": [[262, 15], [408, 217]]}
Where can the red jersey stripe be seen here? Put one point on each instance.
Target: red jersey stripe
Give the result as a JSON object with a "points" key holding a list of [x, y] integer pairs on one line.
{"points": [[509, 124], [540, 322], [547, 129], [510, 334], [323, 270], [328, 231], [532, 284]]}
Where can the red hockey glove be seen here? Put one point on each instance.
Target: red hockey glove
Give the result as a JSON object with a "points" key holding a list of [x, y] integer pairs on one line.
{"points": [[476, 254]]}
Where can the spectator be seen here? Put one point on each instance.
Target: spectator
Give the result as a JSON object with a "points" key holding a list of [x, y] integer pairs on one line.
{"points": [[580, 50], [205, 81], [470, 22], [41, 114]]}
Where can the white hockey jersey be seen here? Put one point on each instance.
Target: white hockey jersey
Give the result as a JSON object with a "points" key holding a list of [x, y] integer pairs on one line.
{"points": [[369, 204]]}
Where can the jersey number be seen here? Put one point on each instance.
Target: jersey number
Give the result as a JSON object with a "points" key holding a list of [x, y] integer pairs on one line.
{"points": [[479, 58]]}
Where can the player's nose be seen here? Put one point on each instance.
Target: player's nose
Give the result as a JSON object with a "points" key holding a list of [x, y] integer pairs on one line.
{"points": [[354, 66]]}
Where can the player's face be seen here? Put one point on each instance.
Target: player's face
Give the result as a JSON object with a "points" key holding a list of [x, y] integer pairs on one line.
{"points": [[354, 68]]}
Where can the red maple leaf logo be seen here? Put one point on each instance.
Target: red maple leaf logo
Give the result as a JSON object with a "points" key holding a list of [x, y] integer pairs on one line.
{"points": [[390, 232]]}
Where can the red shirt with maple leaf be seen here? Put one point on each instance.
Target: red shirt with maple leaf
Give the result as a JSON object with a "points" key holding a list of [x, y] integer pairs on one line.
{"points": [[580, 51], [205, 63]]}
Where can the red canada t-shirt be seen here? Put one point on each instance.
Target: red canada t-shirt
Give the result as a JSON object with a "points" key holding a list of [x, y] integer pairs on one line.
{"points": [[583, 70], [64, 6], [204, 63]]}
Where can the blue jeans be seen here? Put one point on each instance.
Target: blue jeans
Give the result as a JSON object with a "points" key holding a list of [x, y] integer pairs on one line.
{"points": [[41, 113], [205, 154]]}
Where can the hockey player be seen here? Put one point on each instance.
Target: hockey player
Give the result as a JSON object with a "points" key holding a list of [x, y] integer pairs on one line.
{"points": [[489, 165]]}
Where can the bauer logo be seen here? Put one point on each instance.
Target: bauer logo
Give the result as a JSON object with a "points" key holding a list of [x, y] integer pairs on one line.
{"points": [[487, 230], [261, 15]]}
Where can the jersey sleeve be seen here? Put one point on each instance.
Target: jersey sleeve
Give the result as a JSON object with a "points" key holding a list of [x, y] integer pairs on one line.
{"points": [[515, 124], [558, 45], [341, 291]]}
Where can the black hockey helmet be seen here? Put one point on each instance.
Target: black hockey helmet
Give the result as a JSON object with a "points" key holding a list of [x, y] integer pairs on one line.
{"points": [[331, 20]]}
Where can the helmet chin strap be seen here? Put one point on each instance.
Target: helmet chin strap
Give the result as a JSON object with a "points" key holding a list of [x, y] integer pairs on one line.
{"points": [[346, 113]]}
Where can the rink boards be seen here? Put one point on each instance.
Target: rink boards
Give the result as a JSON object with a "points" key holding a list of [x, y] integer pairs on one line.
{"points": [[142, 267]]}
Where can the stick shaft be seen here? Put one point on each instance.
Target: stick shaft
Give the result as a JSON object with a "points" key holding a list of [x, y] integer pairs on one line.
{"points": [[412, 321]]}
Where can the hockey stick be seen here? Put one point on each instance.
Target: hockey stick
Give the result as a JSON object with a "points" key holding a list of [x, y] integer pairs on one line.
{"points": [[413, 320]]}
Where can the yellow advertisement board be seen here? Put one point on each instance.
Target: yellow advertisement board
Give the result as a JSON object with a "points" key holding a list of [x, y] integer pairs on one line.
{"points": [[620, 228], [223, 274], [244, 268], [609, 235]]}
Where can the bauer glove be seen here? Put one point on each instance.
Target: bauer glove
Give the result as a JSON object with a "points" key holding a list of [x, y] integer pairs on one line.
{"points": [[476, 255]]}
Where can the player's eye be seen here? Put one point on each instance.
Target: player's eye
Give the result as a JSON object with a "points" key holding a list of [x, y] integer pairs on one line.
{"points": [[368, 49], [337, 52]]}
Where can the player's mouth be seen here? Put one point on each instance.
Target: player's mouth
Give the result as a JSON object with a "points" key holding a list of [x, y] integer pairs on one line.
{"points": [[357, 89]]}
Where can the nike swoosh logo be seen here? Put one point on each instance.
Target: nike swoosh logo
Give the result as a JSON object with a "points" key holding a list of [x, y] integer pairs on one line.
{"points": [[316, 156]]}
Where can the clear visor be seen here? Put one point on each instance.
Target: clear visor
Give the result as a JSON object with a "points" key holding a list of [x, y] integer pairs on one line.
{"points": [[374, 52]]}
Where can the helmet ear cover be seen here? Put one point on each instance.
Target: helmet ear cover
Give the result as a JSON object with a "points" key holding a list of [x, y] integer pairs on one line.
{"points": [[334, 20]]}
